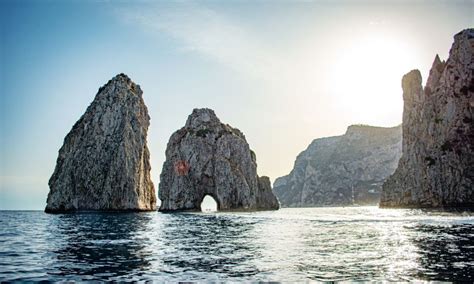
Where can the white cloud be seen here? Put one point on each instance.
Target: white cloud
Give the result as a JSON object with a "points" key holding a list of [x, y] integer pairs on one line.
{"points": [[203, 30]]}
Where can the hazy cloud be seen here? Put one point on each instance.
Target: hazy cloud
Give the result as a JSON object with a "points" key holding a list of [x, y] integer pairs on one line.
{"points": [[203, 30]]}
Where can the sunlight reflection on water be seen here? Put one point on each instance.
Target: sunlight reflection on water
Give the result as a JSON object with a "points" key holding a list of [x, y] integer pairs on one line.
{"points": [[364, 243]]}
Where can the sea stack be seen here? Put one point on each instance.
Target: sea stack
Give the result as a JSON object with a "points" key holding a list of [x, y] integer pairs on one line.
{"points": [[437, 165], [207, 157], [104, 163], [342, 170]]}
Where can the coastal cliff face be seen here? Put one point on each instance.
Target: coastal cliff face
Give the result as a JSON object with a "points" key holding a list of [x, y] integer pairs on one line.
{"points": [[104, 163], [207, 157], [437, 165], [342, 170]]}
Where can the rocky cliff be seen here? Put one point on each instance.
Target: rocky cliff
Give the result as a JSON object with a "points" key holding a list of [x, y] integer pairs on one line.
{"points": [[207, 157], [342, 170], [104, 163], [437, 165]]}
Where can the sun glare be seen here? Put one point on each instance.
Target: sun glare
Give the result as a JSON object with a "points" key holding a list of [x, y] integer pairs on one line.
{"points": [[366, 79]]}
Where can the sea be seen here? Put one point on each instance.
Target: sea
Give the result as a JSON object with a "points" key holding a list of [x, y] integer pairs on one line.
{"points": [[304, 244]]}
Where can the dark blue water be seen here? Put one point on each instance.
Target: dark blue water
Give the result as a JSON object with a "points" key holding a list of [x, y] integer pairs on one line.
{"points": [[290, 244]]}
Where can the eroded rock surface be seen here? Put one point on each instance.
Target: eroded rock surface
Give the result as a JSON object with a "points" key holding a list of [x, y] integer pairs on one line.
{"points": [[207, 157], [437, 165], [342, 170], [104, 163]]}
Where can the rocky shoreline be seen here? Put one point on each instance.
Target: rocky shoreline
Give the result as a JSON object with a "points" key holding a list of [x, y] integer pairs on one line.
{"points": [[342, 170]]}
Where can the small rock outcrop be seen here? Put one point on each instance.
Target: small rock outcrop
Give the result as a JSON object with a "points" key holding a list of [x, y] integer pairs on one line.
{"points": [[207, 157], [342, 170], [437, 165], [104, 163]]}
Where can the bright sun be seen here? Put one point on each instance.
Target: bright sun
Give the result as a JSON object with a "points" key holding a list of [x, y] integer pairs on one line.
{"points": [[366, 79]]}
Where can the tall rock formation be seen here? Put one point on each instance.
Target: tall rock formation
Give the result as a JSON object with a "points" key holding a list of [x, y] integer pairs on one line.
{"points": [[342, 170], [437, 165], [104, 163], [207, 157]]}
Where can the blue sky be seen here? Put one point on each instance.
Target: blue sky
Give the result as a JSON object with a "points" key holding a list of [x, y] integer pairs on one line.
{"points": [[284, 72]]}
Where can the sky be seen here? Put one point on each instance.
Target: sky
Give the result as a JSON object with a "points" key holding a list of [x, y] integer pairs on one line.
{"points": [[283, 72]]}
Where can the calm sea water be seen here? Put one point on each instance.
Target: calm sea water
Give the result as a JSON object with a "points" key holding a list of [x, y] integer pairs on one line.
{"points": [[363, 243]]}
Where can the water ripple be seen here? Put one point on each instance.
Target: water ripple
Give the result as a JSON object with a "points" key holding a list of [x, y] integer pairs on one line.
{"points": [[323, 244]]}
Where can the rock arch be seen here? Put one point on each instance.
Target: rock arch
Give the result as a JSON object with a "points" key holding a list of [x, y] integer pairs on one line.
{"points": [[207, 157]]}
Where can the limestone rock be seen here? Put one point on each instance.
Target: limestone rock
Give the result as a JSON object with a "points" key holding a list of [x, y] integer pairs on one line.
{"points": [[437, 164], [207, 157], [266, 199], [104, 163], [342, 170]]}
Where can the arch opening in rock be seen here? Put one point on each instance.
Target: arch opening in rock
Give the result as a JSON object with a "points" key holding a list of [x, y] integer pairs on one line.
{"points": [[209, 204], [208, 157]]}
